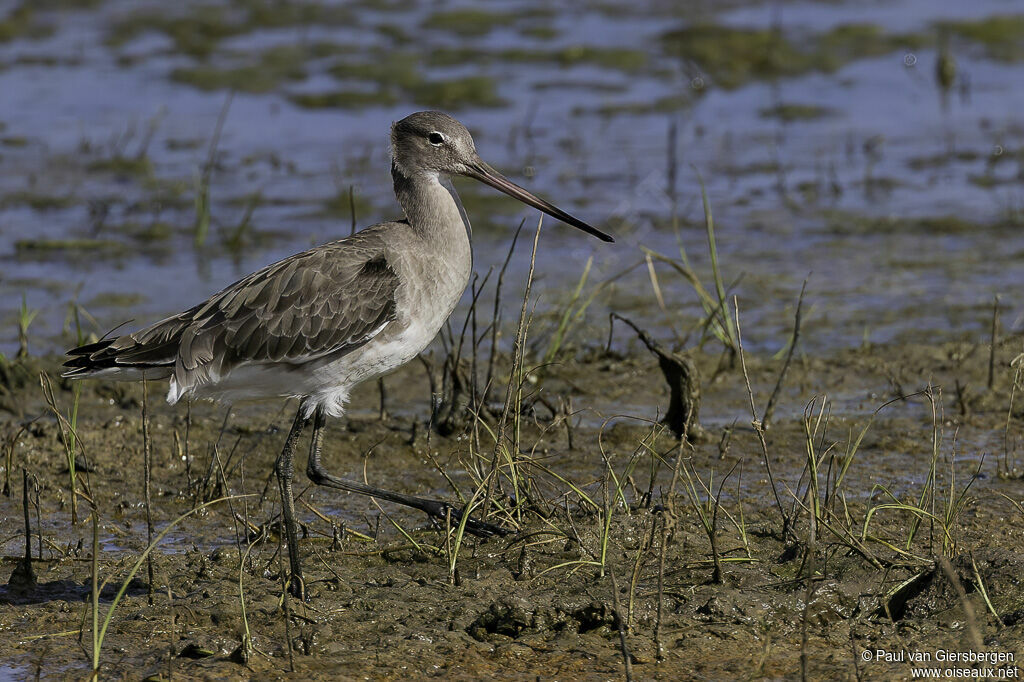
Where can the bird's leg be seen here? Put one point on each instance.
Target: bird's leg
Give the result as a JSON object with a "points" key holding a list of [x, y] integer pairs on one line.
{"points": [[285, 469], [434, 508]]}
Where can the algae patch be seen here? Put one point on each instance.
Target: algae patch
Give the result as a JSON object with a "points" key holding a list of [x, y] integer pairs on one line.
{"points": [[21, 22], [37, 202], [342, 99], [844, 222], [115, 299], [257, 72], [611, 58], [124, 166], [735, 56], [1002, 35], [457, 93], [390, 69], [453, 94], [45, 247], [199, 31], [795, 112], [468, 22]]}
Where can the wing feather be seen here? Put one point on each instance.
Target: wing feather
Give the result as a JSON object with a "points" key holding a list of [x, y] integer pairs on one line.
{"points": [[318, 303]]}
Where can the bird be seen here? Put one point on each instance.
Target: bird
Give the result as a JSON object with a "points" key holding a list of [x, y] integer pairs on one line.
{"points": [[314, 325]]}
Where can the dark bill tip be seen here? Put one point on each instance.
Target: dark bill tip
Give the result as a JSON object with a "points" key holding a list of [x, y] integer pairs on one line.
{"points": [[487, 175]]}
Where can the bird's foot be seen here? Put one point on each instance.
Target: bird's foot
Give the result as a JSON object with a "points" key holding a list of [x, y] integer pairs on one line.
{"points": [[440, 511]]}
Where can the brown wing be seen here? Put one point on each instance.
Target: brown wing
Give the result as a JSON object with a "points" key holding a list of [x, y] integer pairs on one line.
{"points": [[325, 301]]}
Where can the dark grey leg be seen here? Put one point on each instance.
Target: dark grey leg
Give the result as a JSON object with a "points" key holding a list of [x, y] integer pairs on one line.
{"points": [[434, 508], [285, 469]]}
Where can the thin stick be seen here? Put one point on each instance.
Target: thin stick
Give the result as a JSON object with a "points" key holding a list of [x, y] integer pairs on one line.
{"points": [[95, 593], [28, 576], [770, 407], [171, 650], [984, 593], [516, 369], [147, 464], [39, 520], [620, 626], [812, 544], [496, 318], [659, 647], [211, 156], [993, 341], [972, 623], [352, 207], [758, 428]]}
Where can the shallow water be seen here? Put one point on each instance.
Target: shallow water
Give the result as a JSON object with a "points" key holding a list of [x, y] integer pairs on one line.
{"points": [[792, 198]]}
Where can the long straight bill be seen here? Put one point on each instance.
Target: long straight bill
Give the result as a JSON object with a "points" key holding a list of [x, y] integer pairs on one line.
{"points": [[487, 175]]}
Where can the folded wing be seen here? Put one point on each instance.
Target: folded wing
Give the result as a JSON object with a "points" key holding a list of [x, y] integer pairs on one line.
{"points": [[319, 303]]}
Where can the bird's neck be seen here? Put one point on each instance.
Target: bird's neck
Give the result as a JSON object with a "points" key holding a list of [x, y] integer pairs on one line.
{"points": [[432, 207]]}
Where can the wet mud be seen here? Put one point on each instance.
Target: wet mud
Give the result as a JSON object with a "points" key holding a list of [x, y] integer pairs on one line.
{"points": [[612, 558]]}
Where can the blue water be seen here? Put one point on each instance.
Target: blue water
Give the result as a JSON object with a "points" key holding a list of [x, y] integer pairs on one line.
{"points": [[553, 135]]}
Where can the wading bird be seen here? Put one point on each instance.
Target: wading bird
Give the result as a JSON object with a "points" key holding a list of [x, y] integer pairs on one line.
{"points": [[314, 325]]}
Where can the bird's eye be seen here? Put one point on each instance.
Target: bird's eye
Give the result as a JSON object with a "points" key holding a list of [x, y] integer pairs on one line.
{"points": [[436, 139]]}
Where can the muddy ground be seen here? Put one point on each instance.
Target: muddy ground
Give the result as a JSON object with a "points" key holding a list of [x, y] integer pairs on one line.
{"points": [[383, 603]]}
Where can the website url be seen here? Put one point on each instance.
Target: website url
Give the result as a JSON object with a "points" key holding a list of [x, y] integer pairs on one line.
{"points": [[964, 673]]}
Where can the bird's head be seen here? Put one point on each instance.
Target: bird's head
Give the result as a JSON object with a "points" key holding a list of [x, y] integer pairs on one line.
{"points": [[434, 142]]}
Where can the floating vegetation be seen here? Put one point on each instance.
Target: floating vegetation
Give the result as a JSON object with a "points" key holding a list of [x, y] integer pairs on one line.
{"points": [[37, 202], [666, 104], [469, 22], [944, 159], [342, 99], [616, 58], [196, 34], [260, 72], [49, 246], [540, 32], [199, 31], [115, 299], [989, 180], [795, 112], [21, 22], [755, 168], [148, 233], [44, 60], [389, 69], [176, 144], [396, 34], [735, 56], [844, 222], [251, 79], [397, 76], [1002, 35], [849, 42], [124, 166], [456, 93], [66, 4]]}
